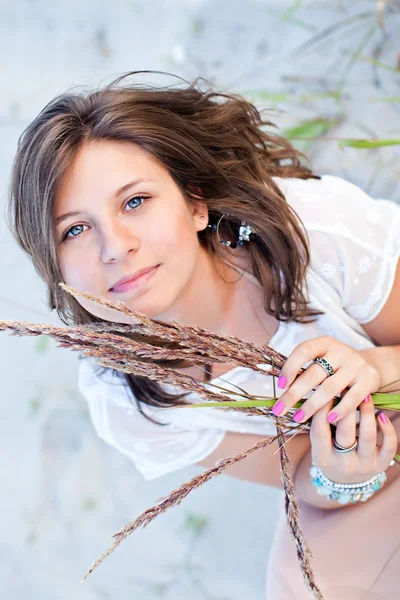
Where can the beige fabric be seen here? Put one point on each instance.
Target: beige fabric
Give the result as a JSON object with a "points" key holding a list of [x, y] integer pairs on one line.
{"points": [[356, 550]]}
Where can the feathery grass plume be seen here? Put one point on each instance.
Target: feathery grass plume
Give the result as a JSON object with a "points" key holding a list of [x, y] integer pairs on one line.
{"points": [[97, 335], [248, 352], [172, 377], [105, 349]]}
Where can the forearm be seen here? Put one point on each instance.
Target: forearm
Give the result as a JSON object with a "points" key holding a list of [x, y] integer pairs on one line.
{"points": [[387, 361]]}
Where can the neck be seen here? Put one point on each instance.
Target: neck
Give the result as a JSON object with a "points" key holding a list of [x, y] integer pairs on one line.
{"points": [[217, 298]]}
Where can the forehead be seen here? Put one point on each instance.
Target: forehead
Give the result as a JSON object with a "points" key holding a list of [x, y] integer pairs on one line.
{"points": [[104, 166]]}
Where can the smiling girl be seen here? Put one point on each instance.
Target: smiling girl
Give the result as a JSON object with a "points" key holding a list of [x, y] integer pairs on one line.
{"points": [[181, 203]]}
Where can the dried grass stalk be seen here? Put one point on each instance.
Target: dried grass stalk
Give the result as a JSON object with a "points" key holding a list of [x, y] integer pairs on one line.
{"points": [[175, 498], [304, 554], [178, 495]]}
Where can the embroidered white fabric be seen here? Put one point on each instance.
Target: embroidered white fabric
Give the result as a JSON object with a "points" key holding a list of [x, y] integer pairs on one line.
{"points": [[354, 247]]}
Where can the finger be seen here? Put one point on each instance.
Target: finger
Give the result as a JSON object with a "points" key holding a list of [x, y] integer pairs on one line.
{"points": [[388, 447], [330, 388], [303, 353], [367, 431], [351, 400], [306, 382], [346, 430], [312, 377], [321, 436]]}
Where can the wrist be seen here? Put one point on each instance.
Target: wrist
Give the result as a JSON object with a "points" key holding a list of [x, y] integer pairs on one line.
{"points": [[386, 360], [305, 491]]}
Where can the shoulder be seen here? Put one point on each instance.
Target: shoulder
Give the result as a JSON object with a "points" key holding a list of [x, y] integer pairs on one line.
{"points": [[353, 239], [321, 198], [343, 211]]}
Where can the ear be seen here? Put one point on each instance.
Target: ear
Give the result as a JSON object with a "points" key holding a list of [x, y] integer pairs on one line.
{"points": [[200, 215], [198, 207]]}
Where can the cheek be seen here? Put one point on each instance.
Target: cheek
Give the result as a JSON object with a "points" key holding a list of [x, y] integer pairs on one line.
{"points": [[176, 240], [79, 271], [77, 274], [81, 278]]}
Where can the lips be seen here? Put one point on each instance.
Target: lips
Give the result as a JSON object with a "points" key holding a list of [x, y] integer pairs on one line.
{"points": [[132, 277]]}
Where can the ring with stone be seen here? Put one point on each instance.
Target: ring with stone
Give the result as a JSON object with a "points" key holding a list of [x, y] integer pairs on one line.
{"points": [[322, 362]]}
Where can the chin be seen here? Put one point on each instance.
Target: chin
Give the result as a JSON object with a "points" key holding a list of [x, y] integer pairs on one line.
{"points": [[148, 307]]}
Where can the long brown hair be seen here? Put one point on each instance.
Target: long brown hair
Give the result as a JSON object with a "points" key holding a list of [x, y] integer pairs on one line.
{"points": [[209, 140]]}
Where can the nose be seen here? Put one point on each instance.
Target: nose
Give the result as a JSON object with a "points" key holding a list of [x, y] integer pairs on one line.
{"points": [[116, 241]]}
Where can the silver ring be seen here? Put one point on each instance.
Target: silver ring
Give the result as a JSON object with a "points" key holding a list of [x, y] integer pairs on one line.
{"points": [[340, 450], [325, 365]]}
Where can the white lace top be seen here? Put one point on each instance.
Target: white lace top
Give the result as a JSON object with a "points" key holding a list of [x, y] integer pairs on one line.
{"points": [[354, 244]]}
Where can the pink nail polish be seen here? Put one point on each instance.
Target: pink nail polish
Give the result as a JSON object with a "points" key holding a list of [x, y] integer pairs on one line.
{"points": [[368, 398], [332, 417], [282, 381], [278, 408], [298, 416], [383, 418]]}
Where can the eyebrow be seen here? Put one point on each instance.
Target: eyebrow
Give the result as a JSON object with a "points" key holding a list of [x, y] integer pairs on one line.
{"points": [[120, 191]]}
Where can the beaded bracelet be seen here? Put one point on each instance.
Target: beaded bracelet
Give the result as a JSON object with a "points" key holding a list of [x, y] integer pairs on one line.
{"points": [[346, 492]]}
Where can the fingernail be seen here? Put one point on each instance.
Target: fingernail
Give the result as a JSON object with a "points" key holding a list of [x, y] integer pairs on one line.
{"points": [[298, 416], [367, 399], [278, 408], [332, 417], [383, 418], [282, 381]]}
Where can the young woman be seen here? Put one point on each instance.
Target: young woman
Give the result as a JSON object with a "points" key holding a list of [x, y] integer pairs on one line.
{"points": [[111, 183]]}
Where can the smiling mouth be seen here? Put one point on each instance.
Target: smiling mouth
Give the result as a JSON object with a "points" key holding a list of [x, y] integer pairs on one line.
{"points": [[136, 282]]}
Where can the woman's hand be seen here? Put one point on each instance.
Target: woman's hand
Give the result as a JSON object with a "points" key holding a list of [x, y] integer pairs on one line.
{"points": [[368, 459], [353, 372]]}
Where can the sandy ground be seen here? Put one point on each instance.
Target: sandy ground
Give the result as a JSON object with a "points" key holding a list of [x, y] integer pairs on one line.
{"points": [[64, 491]]}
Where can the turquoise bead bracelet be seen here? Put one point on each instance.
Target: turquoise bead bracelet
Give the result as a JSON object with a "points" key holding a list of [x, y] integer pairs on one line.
{"points": [[346, 492]]}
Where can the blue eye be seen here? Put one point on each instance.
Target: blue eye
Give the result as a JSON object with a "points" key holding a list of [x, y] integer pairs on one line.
{"points": [[68, 237], [136, 198]]}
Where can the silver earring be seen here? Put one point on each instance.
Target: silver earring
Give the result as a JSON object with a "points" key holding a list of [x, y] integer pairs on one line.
{"points": [[246, 233]]}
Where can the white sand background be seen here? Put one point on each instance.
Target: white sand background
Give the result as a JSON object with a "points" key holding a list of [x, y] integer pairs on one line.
{"points": [[64, 492]]}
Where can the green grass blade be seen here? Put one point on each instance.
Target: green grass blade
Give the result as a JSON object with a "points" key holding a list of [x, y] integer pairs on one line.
{"points": [[310, 129], [387, 401], [368, 144], [390, 399]]}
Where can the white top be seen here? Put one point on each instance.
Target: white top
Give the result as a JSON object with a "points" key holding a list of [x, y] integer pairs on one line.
{"points": [[354, 245]]}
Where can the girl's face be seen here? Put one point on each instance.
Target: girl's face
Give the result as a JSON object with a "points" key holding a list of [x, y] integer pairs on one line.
{"points": [[130, 215]]}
